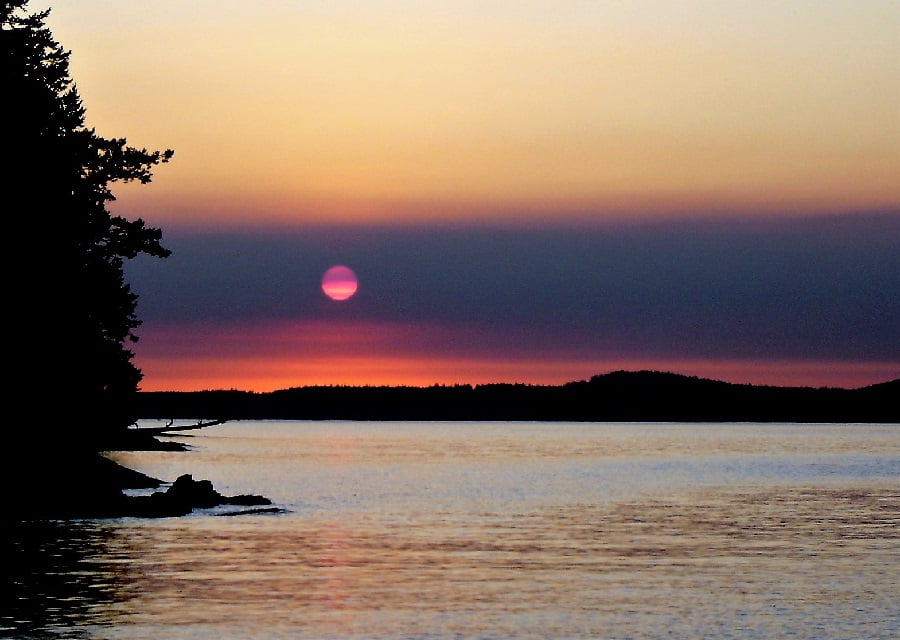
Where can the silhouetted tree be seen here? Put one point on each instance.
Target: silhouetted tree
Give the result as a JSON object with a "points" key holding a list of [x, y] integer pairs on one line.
{"points": [[72, 313]]}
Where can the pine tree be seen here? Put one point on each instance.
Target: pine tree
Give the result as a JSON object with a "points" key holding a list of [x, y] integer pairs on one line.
{"points": [[71, 315]]}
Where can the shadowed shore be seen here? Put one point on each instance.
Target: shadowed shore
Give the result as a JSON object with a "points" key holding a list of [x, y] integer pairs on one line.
{"points": [[45, 479], [50, 481]]}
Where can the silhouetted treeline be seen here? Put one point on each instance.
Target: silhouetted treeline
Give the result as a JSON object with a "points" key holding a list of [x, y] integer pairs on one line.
{"points": [[74, 315], [619, 396]]}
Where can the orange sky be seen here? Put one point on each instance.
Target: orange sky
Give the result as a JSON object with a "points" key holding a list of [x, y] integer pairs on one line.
{"points": [[394, 112], [261, 374], [398, 110], [364, 353]]}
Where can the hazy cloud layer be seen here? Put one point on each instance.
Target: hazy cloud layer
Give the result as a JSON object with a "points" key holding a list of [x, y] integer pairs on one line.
{"points": [[826, 287]]}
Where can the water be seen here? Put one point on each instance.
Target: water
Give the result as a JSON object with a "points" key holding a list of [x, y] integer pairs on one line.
{"points": [[489, 530]]}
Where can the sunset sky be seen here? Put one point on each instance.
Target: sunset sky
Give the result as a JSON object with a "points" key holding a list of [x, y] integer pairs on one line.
{"points": [[528, 191]]}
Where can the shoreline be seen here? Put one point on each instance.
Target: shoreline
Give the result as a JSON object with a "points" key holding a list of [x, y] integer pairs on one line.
{"points": [[642, 396], [61, 483]]}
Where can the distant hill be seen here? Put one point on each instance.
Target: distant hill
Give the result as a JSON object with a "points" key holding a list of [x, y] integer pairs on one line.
{"points": [[624, 396]]}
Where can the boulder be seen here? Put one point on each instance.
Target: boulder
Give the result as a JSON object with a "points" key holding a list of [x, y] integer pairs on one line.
{"points": [[185, 495]]}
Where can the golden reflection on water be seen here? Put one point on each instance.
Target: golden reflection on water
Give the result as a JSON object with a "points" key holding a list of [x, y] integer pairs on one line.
{"points": [[363, 555], [351, 443], [818, 562]]}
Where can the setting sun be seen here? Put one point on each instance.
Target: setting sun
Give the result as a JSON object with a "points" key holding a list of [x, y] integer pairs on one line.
{"points": [[339, 283]]}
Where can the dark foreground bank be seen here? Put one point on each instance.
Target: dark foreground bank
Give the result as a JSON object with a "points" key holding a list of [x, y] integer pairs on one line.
{"points": [[47, 481]]}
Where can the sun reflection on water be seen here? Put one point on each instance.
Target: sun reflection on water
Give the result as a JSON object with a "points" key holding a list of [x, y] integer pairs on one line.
{"points": [[377, 546]]}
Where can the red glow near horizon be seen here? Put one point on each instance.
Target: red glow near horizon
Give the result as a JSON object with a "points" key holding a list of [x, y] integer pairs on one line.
{"points": [[267, 358]]}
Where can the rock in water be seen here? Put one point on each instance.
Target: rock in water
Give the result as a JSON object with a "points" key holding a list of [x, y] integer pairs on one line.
{"points": [[185, 495], [193, 494]]}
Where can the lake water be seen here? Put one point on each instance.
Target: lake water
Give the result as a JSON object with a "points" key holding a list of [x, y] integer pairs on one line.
{"points": [[489, 530]]}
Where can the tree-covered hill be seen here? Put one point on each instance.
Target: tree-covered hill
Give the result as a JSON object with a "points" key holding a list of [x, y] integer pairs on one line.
{"points": [[617, 396]]}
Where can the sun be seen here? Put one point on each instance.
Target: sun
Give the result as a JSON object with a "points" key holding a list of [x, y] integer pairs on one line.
{"points": [[339, 283]]}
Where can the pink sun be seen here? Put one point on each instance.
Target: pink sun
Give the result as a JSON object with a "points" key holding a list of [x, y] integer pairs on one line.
{"points": [[339, 283]]}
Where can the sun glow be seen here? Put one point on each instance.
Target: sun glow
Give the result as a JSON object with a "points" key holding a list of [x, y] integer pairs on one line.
{"points": [[339, 283], [269, 357]]}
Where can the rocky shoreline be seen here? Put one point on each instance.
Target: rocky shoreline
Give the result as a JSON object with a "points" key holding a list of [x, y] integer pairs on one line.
{"points": [[185, 495], [64, 483]]}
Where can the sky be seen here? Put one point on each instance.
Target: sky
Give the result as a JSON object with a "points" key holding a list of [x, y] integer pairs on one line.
{"points": [[531, 192]]}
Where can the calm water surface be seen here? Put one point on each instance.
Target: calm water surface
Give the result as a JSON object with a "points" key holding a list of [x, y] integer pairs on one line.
{"points": [[489, 530]]}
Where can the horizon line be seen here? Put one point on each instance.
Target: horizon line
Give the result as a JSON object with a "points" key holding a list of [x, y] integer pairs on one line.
{"points": [[521, 384]]}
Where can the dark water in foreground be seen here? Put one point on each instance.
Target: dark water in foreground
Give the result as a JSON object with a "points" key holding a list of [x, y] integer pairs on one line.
{"points": [[489, 530]]}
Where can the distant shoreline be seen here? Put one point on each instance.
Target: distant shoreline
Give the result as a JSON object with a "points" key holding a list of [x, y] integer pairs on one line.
{"points": [[620, 396]]}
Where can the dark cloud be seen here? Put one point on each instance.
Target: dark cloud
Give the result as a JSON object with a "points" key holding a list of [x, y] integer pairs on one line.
{"points": [[826, 287]]}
